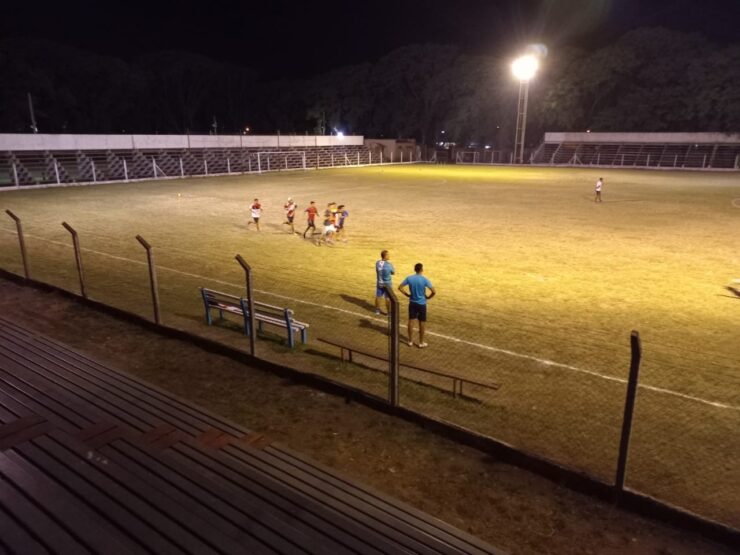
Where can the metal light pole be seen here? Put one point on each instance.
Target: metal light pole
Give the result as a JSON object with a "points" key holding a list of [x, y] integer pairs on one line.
{"points": [[523, 68]]}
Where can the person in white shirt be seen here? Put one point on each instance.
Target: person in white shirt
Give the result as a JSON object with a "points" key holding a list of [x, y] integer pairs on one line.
{"points": [[256, 209], [599, 185]]}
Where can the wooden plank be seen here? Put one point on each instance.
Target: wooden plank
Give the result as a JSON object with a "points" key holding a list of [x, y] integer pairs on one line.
{"points": [[39, 400], [394, 508], [16, 539], [196, 416], [75, 475], [143, 499], [321, 517], [193, 504], [250, 508], [91, 531], [25, 434], [20, 424], [43, 372], [144, 412]]}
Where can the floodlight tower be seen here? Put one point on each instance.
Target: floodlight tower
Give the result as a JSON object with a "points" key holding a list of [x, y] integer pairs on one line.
{"points": [[524, 69]]}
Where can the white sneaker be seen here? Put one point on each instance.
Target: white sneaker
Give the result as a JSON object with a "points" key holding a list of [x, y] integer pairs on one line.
{"points": [[423, 345]]}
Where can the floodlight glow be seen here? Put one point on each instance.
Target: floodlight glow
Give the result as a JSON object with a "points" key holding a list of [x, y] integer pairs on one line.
{"points": [[525, 67], [340, 134]]}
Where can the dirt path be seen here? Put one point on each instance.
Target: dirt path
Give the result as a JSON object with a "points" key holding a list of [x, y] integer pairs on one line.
{"points": [[510, 508]]}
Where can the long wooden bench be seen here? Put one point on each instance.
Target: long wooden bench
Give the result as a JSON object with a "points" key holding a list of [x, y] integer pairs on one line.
{"points": [[457, 381], [263, 313]]}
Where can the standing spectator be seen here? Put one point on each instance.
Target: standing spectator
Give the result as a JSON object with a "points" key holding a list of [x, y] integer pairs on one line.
{"points": [[599, 185], [290, 208], [256, 213], [418, 285], [383, 272], [311, 212]]}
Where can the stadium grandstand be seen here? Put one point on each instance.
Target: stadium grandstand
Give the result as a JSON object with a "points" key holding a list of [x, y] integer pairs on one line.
{"points": [[40, 159], [655, 150]]}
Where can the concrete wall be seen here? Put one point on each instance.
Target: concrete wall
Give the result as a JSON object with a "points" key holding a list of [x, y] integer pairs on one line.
{"points": [[659, 138], [41, 142]]}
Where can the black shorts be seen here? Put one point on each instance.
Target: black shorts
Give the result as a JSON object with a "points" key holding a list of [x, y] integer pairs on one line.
{"points": [[311, 224], [256, 220], [290, 219], [418, 312]]}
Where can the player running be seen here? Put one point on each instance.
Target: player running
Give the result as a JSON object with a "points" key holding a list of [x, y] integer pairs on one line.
{"points": [[256, 209], [290, 208], [384, 271], [327, 235], [311, 213]]}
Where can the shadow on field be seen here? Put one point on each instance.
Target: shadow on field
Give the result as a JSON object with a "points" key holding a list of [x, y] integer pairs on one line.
{"points": [[370, 325], [733, 290], [362, 303]]}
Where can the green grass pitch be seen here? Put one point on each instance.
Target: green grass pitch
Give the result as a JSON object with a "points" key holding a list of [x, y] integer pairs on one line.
{"points": [[538, 290]]}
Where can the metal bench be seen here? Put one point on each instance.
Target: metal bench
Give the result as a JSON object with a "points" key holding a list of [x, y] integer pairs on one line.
{"points": [[263, 313], [457, 381]]}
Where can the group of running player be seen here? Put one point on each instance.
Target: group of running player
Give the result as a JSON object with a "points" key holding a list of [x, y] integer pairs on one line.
{"points": [[335, 217]]}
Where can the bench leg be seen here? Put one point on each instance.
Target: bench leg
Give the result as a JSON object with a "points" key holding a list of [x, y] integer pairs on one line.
{"points": [[291, 341], [209, 320], [304, 336]]}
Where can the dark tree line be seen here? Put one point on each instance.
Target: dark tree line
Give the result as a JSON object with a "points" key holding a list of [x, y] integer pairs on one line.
{"points": [[649, 80]]}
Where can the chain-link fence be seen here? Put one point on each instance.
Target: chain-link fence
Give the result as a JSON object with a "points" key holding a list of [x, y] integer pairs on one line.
{"points": [[480, 370]]}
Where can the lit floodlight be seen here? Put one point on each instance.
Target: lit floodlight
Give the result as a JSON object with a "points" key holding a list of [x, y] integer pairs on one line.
{"points": [[525, 67], [340, 134]]}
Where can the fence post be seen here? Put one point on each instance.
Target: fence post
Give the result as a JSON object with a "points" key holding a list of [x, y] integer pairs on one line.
{"points": [[286, 161], [56, 171], [629, 407], [304, 160], [358, 157], [393, 352], [228, 165], [15, 175], [250, 302], [332, 159], [205, 165], [152, 277], [370, 158], [402, 156], [381, 156], [259, 163], [78, 257], [125, 170], [21, 242], [182, 169]]}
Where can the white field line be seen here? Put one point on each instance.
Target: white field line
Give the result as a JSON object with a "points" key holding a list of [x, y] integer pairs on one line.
{"points": [[491, 348]]}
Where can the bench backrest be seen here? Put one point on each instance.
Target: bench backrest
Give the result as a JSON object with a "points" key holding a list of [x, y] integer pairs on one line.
{"points": [[217, 297]]}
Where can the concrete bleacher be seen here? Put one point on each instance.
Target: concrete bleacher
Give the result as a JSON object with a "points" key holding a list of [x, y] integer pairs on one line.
{"points": [[60, 159], [659, 150]]}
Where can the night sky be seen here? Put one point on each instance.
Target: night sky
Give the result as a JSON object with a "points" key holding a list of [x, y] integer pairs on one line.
{"points": [[298, 39]]}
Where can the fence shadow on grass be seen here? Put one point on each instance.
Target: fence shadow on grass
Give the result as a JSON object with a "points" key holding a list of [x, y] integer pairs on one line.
{"points": [[362, 303]]}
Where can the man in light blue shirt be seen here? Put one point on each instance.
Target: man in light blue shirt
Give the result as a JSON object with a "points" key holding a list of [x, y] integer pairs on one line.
{"points": [[418, 285], [383, 272]]}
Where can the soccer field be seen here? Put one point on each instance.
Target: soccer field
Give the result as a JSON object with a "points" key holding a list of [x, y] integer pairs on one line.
{"points": [[538, 290]]}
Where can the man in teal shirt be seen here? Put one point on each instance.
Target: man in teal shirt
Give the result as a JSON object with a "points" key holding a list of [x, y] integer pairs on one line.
{"points": [[418, 285], [384, 271]]}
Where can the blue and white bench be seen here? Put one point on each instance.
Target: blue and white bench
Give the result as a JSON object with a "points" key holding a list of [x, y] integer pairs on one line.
{"points": [[263, 313]]}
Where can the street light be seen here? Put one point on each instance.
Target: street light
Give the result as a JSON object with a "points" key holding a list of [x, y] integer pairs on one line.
{"points": [[524, 69]]}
